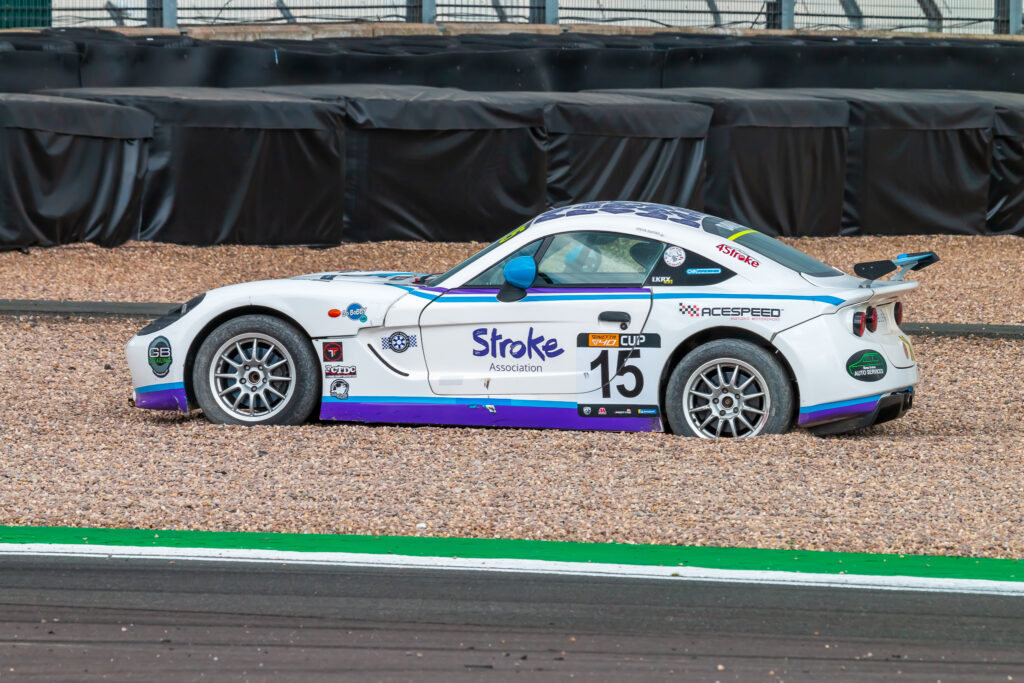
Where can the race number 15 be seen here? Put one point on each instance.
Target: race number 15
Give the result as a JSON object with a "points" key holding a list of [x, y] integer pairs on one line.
{"points": [[623, 368]]}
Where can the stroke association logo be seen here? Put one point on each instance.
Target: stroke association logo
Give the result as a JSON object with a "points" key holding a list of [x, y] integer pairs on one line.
{"points": [[497, 345]]}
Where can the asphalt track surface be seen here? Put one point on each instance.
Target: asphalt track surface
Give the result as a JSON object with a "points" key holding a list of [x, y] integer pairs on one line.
{"points": [[82, 619]]}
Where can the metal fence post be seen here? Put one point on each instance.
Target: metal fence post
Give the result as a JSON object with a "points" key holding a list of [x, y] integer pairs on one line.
{"points": [[551, 11], [428, 11], [788, 22], [170, 13]]}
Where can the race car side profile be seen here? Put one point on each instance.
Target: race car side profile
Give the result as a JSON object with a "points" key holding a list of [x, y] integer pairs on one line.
{"points": [[608, 315]]}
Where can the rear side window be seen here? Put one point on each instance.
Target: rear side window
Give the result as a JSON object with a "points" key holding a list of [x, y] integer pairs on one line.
{"points": [[760, 243], [597, 259]]}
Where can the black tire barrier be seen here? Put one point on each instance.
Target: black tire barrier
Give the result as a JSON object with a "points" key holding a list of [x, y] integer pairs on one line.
{"points": [[344, 139]]}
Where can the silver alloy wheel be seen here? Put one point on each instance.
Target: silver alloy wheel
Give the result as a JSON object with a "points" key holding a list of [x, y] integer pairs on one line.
{"points": [[252, 376], [726, 397]]}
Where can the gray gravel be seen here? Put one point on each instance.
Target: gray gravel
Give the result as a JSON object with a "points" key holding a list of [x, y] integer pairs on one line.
{"points": [[977, 281], [944, 480]]}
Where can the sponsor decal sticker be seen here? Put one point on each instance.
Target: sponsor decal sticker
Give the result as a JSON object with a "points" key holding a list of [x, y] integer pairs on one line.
{"points": [[866, 366], [399, 342], [160, 358], [339, 370], [674, 257], [731, 312], [730, 250], [651, 341], [339, 389], [512, 234], [617, 410], [908, 348], [356, 312], [333, 351], [612, 340], [602, 340], [496, 345], [515, 367], [663, 280], [703, 271]]}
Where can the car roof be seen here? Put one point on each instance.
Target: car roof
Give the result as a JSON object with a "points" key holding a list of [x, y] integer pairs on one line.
{"points": [[654, 212]]}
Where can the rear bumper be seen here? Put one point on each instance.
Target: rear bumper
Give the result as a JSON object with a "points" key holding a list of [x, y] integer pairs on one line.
{"points": [[847, 416]]}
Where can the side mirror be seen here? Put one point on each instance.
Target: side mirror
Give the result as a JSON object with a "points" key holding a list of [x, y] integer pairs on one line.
{"points": [[519, 274]]}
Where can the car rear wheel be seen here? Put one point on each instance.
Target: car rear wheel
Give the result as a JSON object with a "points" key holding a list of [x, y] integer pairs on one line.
{"points": [[728, 388], [256, 369]]}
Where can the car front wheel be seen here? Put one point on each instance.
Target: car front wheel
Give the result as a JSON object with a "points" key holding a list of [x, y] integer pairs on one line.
{"points": [[256, 369], [729, 388]]}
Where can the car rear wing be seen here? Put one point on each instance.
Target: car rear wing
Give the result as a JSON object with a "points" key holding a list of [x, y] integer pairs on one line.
{"points": [[872, 270]]}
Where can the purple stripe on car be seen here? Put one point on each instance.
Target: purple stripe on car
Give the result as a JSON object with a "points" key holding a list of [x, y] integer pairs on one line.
{"points": [[477, 415], [560, 290], [163, 399], [587, 290], [829, 414]]}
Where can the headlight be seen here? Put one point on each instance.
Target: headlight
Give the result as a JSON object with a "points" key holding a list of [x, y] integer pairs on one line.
{"points": [[175, 313]]}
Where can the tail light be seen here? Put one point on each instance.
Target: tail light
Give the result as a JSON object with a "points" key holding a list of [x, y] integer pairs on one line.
{"points": [[859, 320], [871, 319], [897, 312]]}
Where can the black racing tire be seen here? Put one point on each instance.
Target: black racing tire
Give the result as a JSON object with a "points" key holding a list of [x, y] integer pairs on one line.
{"points": [[739, 361], [288, 353]]}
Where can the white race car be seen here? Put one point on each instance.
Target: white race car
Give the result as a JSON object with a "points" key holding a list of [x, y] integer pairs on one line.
{"points": [[608, 315]]}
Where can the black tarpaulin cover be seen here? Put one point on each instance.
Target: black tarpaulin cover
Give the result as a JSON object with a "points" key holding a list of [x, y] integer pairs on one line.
{"points": [[236, 166], [430, 163], [776, 161], [918, 162], [422, 162], [1005, 212], [70, 171], [607, 146]]}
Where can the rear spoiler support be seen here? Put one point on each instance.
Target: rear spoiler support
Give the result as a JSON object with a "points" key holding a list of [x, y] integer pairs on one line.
{"points": [[872, 270]]}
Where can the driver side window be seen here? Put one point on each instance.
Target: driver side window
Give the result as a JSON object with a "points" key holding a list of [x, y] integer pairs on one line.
{"points": [[495, 276], [597, 258]]}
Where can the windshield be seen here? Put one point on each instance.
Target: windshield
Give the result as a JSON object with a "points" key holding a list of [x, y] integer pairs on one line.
{"points": [[783, 254], [440, 277]]}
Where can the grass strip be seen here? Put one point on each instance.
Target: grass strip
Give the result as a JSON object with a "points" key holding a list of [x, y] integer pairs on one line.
{"points": [[801, 561]]}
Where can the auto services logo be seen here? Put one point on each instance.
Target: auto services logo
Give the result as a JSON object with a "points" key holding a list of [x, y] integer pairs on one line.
{"points": [[866, 366], [160, 358]]}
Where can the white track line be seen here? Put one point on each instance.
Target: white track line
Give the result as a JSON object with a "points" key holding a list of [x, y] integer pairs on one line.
{"points": [[333, 559]]}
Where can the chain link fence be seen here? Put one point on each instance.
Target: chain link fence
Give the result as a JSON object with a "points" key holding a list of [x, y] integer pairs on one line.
{"points": [[940, 16]]}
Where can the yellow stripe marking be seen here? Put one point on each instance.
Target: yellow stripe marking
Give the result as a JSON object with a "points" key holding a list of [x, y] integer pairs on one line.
{"points": [[741, 233]]}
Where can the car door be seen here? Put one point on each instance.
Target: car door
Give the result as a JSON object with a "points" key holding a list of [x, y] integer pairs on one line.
{"points": [[589, 287]]}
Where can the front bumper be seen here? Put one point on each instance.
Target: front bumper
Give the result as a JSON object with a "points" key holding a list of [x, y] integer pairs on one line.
{"points": [[847, 416], [163, 391]]}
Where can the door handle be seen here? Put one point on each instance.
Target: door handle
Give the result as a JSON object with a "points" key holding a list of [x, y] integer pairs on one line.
{"points": [[620, 317]]}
